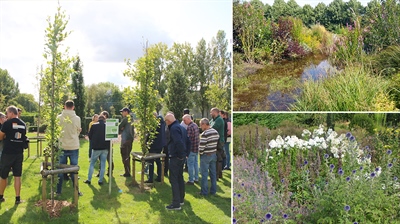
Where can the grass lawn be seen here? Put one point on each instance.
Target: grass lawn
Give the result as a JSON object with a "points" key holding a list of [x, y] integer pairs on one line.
{"points": [[97, 206]]}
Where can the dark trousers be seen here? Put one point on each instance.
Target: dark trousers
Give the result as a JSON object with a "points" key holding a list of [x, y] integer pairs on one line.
{"points": [[151, 165], [126, 149], [166, 163], [176, 180]]}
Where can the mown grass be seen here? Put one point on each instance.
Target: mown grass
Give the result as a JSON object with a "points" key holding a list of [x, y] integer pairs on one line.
{"points": [[130, 206], [353, 89]]}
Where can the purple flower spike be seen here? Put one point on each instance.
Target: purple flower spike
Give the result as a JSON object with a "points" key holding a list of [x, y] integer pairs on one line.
{"points": [[347, 208], [268, 216]]}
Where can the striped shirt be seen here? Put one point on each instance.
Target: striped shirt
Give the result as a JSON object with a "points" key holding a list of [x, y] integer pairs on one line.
{"points": [[208, 141], [193, 133]]}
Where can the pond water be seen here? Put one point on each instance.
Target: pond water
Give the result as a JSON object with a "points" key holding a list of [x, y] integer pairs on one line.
{"points": [[274, 87]]}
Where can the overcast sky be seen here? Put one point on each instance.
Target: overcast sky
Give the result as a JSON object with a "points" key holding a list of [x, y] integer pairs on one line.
{"points": [[104, 33], [314, 3]]}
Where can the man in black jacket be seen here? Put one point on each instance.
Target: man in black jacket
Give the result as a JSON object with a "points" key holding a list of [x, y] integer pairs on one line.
{"points": [[177, 155], [100, 146], [156, 147]]}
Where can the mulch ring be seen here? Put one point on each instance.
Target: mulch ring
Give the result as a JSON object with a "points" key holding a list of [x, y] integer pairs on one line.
{"points": [[58, 206]]}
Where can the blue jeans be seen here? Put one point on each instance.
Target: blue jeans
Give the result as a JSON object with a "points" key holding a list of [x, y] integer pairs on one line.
{"points": [[227, 162], [193, 166], [73, 158], [103, 157], [208, 163]]}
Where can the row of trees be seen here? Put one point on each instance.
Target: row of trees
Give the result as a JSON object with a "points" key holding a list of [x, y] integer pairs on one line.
{"points": [[11, 95]]}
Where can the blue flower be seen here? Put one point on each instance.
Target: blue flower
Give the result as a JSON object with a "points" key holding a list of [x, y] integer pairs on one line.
{"points": [[390, 165], [268, 216], [395, 178], [326, 156], [305, 162], [234, 220], [347, 179], [234, 194], [377, 169], [340, 172], [239, 195], [372, 174], [285, 216], [361, 168], [348, 135], [352, 138], [368, 156], [354, 171], [347, 208], [332, 166], [242, 184], [355, 222], [367, 148], [282, 180], [389, 152], [262, 220], [233, 208]]}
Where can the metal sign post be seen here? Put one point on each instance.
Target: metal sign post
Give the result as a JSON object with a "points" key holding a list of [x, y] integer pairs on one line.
{"points": [[111, 134]]}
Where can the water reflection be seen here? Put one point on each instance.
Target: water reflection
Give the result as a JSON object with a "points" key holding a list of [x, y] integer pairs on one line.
{"points": [[274, 88]]}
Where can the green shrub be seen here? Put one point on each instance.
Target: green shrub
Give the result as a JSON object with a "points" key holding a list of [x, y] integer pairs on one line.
{"points": [[387, 62], [43, 128], [363, 121], [28, 118]]}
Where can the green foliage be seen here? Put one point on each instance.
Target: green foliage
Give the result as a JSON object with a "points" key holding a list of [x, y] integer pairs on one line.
{"points": [[8, 89], [103, 96], [395, 89], [362, 121], [387, 62], [143, 97], [248, 21], [78, 91], [27, 102], [270, 120], [28, 118], [353, 89], [382, 24]]}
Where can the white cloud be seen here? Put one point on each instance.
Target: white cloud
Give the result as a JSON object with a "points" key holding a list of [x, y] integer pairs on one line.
{"points": [[104, 33]]}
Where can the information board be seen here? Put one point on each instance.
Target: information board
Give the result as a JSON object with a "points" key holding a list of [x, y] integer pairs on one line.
{"points": [[112, 129]]}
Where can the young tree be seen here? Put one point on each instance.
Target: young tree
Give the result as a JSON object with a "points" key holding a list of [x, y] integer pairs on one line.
{"points": [[54, 80], [8, 87], [203, 76], [143, 97], [219, 92], [180, 70], [78, 90]]}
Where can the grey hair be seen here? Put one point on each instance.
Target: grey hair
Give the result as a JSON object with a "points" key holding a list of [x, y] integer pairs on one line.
{"points": [[205, 121]]}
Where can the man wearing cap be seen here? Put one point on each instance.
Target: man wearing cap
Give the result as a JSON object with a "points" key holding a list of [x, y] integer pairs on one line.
{"points": [[126, 131]]}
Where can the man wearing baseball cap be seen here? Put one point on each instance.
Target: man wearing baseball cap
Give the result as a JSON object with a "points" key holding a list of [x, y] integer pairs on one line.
{"points": [[126, 130]]}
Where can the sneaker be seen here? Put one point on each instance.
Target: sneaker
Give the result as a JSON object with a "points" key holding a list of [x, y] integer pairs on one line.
{"points": [[189, 183], [125, 175], [171, 207], [227, 168], [2, 200], [87, 182], [100, 183], [19, 202], [196, 181], [182, 203]]}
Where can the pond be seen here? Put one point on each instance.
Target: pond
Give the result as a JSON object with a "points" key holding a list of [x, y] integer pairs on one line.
{"points": [[275, 87]]}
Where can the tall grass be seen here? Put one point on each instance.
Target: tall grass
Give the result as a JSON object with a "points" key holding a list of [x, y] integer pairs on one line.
{"points": [[352, 89], [387, 62]]}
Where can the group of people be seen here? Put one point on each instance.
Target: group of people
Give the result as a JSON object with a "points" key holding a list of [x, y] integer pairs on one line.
{"points": [[181, 142]]}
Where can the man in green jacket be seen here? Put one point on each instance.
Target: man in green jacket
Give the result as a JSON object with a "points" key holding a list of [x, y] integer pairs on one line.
{"points": [[219, 125]]}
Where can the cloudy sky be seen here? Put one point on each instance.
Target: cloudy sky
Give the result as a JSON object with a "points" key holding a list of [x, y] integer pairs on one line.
{"points": [[104, 33], [314, 3]]}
